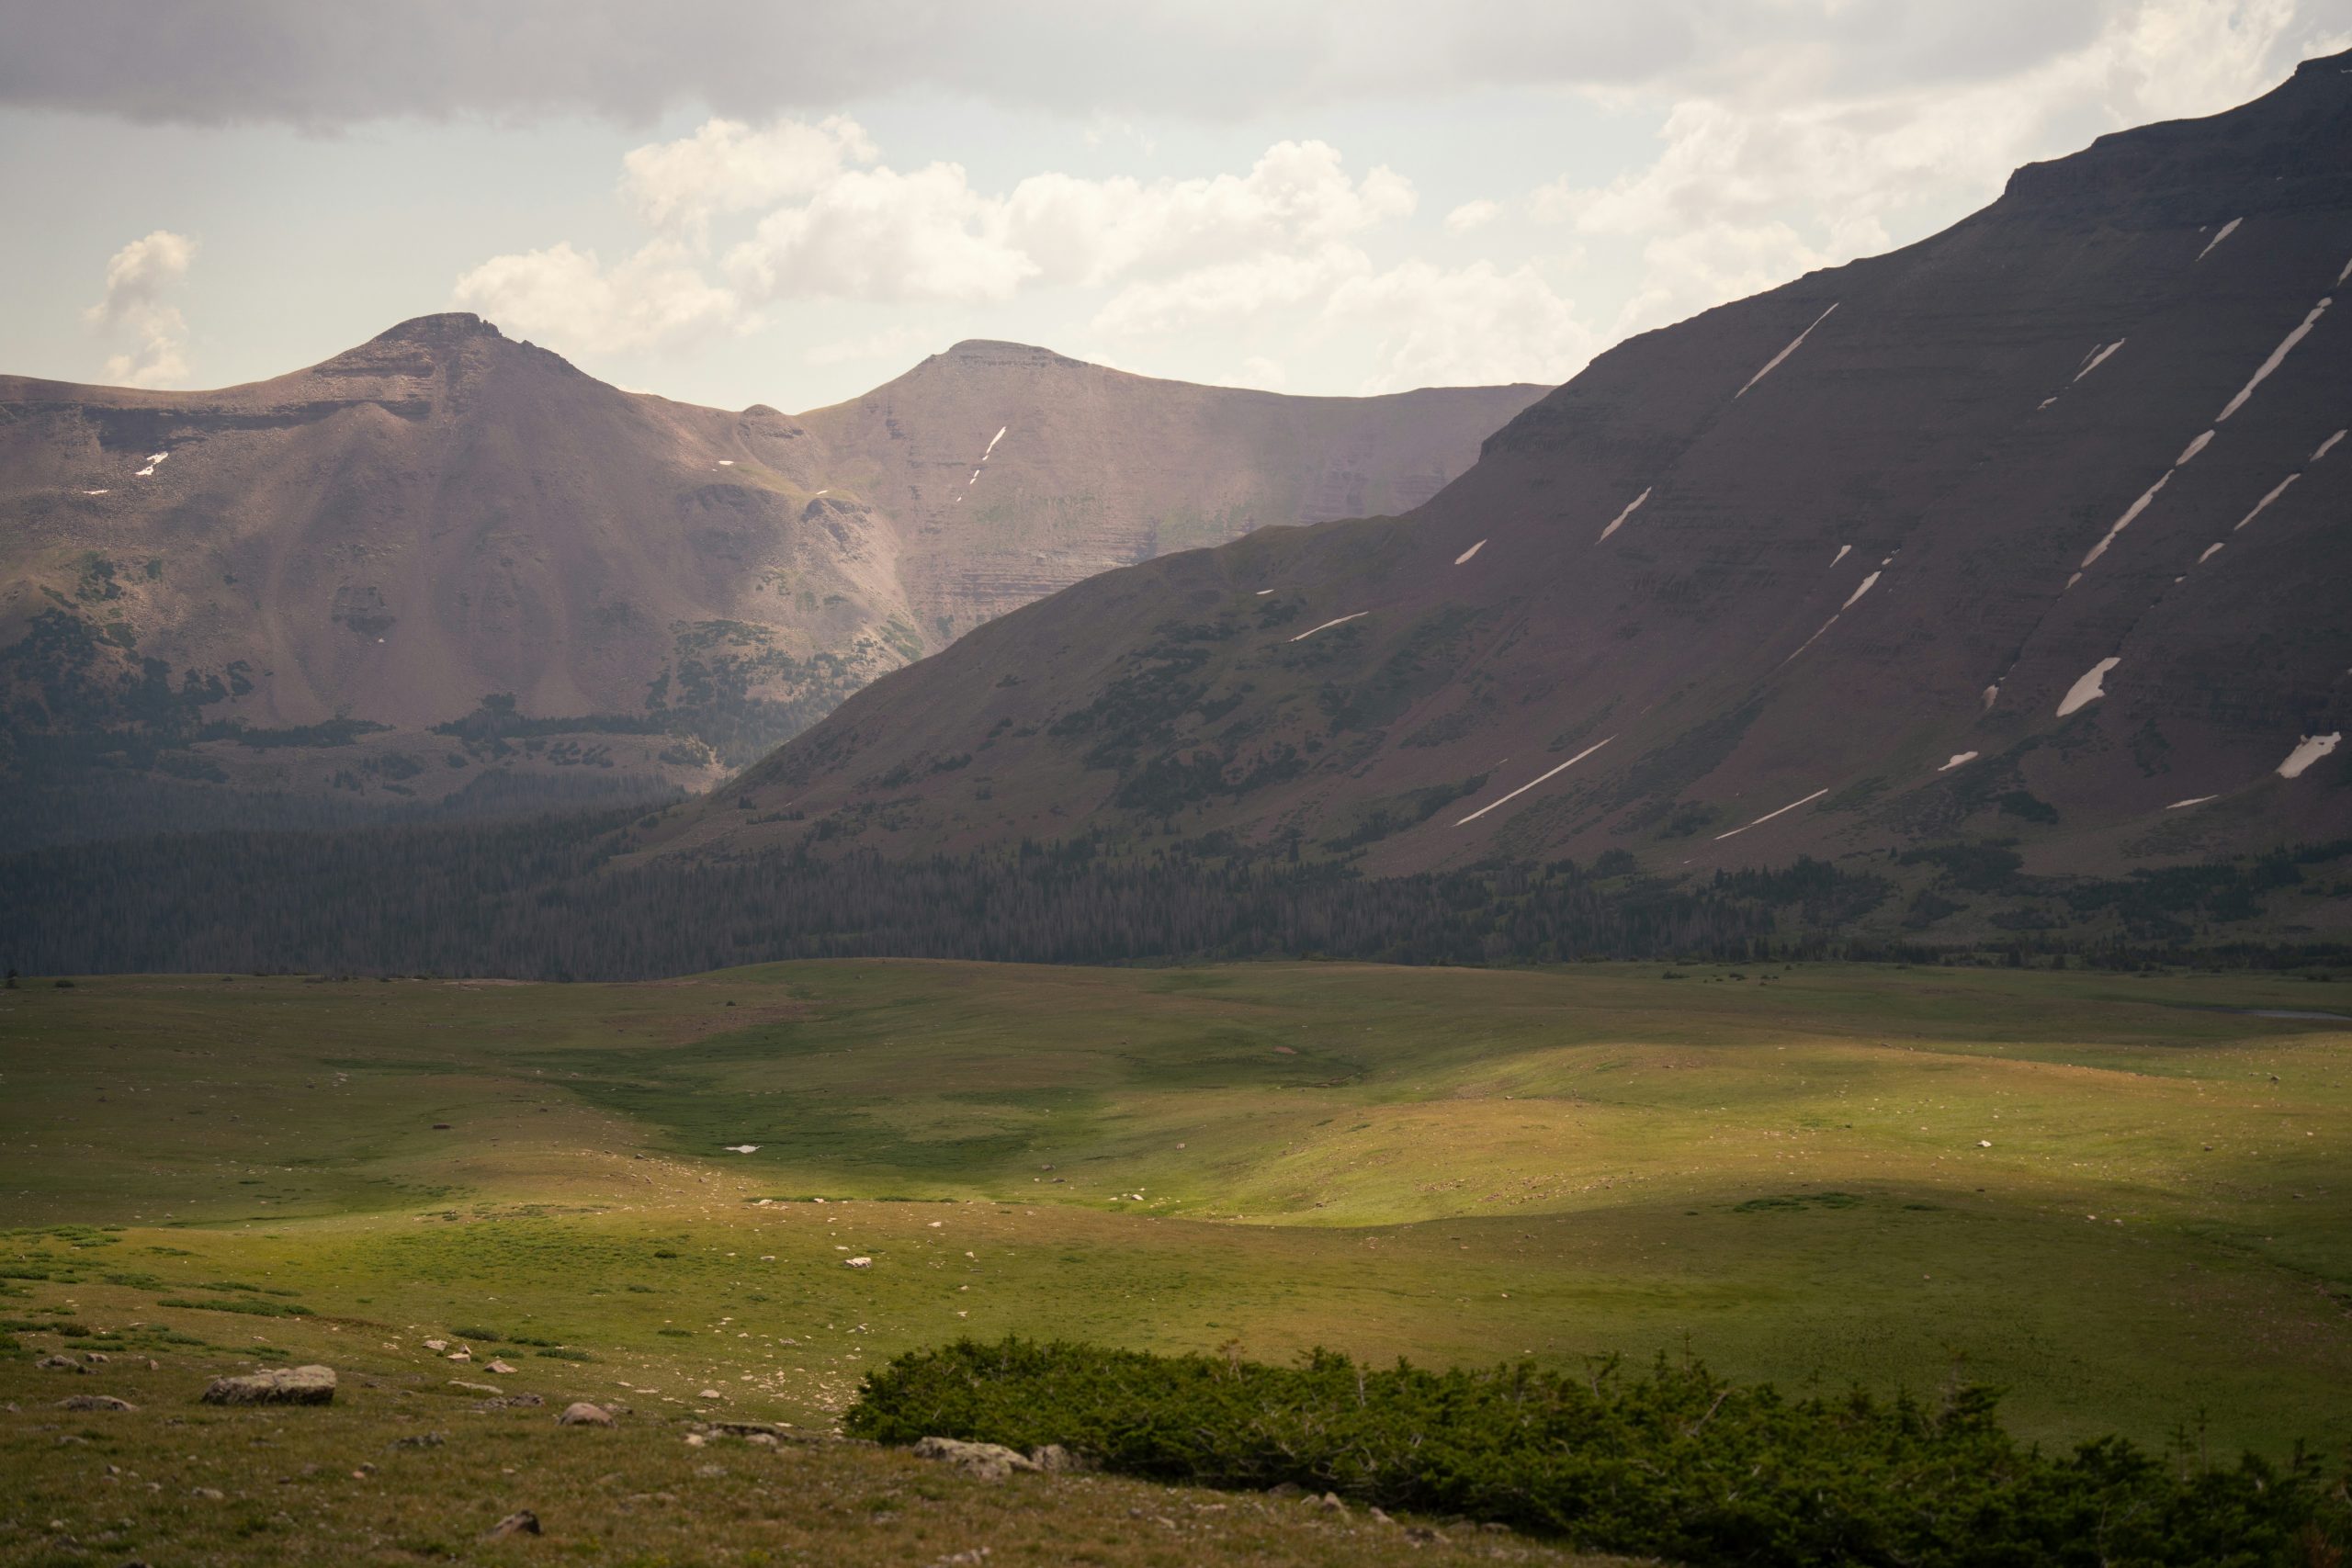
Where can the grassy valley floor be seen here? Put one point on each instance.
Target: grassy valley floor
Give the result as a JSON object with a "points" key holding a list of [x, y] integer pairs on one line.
{"points": [[2120, 1196]]}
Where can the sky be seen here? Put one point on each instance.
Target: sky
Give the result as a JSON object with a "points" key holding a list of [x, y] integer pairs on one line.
{"points": [[740, 201]]}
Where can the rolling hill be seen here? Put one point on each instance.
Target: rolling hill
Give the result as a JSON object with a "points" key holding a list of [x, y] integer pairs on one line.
{"points": [[2029, 544], [445, 562]]}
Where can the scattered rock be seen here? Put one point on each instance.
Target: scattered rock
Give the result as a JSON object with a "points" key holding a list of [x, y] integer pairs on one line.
{"points": [[710, 1394], [710, 1471], [95, 1402], [437, 1344], [1054, 1458], [522, 1521], [857, 1263], [696, 1440], [61, 1364], [501, 1369], [510, 1402], [209, 1493], [275, 1385], [1330, 1502], [94, 1358], [982, 1461], [583, 1414], [473, 1387], [420, 1440], [461, 1355], [1286, 1489]]}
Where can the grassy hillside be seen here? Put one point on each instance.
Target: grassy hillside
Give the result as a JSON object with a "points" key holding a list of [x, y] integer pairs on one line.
{"points": [[2120, 1196]]}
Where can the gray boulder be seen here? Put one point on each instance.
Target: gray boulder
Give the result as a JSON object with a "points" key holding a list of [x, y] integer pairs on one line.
{"points": [[275, 1385], [982, 1461]]}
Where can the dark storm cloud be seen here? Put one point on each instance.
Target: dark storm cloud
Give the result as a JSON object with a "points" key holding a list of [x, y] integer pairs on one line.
{"points": [[323, 64]]}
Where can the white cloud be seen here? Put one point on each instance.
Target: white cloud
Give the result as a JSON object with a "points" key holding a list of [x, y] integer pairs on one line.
{"points": [[1753, 188], [878, 234], [892, 342], [139, 277], [1473, 215], [727, 166], [1476, 325], [1229, 293], [569, 298]]}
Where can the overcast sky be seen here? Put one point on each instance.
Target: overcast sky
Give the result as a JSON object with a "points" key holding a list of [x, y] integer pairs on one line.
{"points": [[737, 201]]}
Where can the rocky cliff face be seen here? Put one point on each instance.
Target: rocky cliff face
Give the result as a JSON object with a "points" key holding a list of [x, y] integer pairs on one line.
{"points": [[2035, 531], [311, 585]]}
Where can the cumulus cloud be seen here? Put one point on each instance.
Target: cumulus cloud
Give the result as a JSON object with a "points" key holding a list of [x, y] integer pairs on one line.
{"points": [[568, 298], [728, 166], [139, 279], [840, 225], [1473, 215], [1475, 325], [1752, 187]]}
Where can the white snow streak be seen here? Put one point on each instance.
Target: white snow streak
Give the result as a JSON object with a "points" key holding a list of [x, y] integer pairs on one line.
{"points": [[97, 492], [726, 462], [144, 472], [1464, 559], [973, 481], [1327, 625], [1991, 693], [1263, 592], [2325, 447], [1957, 759], [2044, 403], [1857, 593], [2210, 551], [2311, 749], [2192, 800], [2124, 522], [1792, 805], [1774, 362], [2090, 689], [1843, 552], [2099, 359], [2344, 274], [2275, 491], [993, 440], [2227, 229], [1533, 782], [2191, 450], [742, 1148], [157, 457], [1631, 507], [824, 492], [2277, 355]]}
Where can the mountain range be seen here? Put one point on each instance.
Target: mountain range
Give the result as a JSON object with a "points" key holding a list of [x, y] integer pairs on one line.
{"points": [[2028, 544], [445, 561]]}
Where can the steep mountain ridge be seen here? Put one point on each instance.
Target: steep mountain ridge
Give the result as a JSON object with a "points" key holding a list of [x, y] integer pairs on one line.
{"points": [[1914, 550], [290, 585]]}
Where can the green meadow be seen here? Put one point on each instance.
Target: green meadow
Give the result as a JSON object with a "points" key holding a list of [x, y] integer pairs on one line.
{"points": [[2121, 1198]]}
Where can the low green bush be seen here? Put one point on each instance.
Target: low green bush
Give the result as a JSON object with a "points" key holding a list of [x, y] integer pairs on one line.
{"points": [[1674, 1463]]}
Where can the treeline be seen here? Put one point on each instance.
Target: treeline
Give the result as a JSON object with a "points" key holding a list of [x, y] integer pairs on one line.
{"points": [[1674, 1464], [546, 899]]}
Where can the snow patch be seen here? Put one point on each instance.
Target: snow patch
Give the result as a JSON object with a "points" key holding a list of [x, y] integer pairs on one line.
{"points": [[1814, 639], [973, 481], [726, 462], [1533, 782], [2277, 357], [2325, 447], [1774, 362], [993, 440], [2098, 358], [2275, 491], [2210, 551], [97, 492], [1857, 593], [2044, 403], [741, 1148], [2191, 450], [2124, 522], [1792, 805], [824, 492], [2227, 229], [2090, 688], [157, 457], [1843, 552], [2192, 800], [1991, 693], [1464, 559], [1631, 507], [1263, 592], [2312, 749], [2344, 274], [144, 472], [1327, 625], [1957, 759]]}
